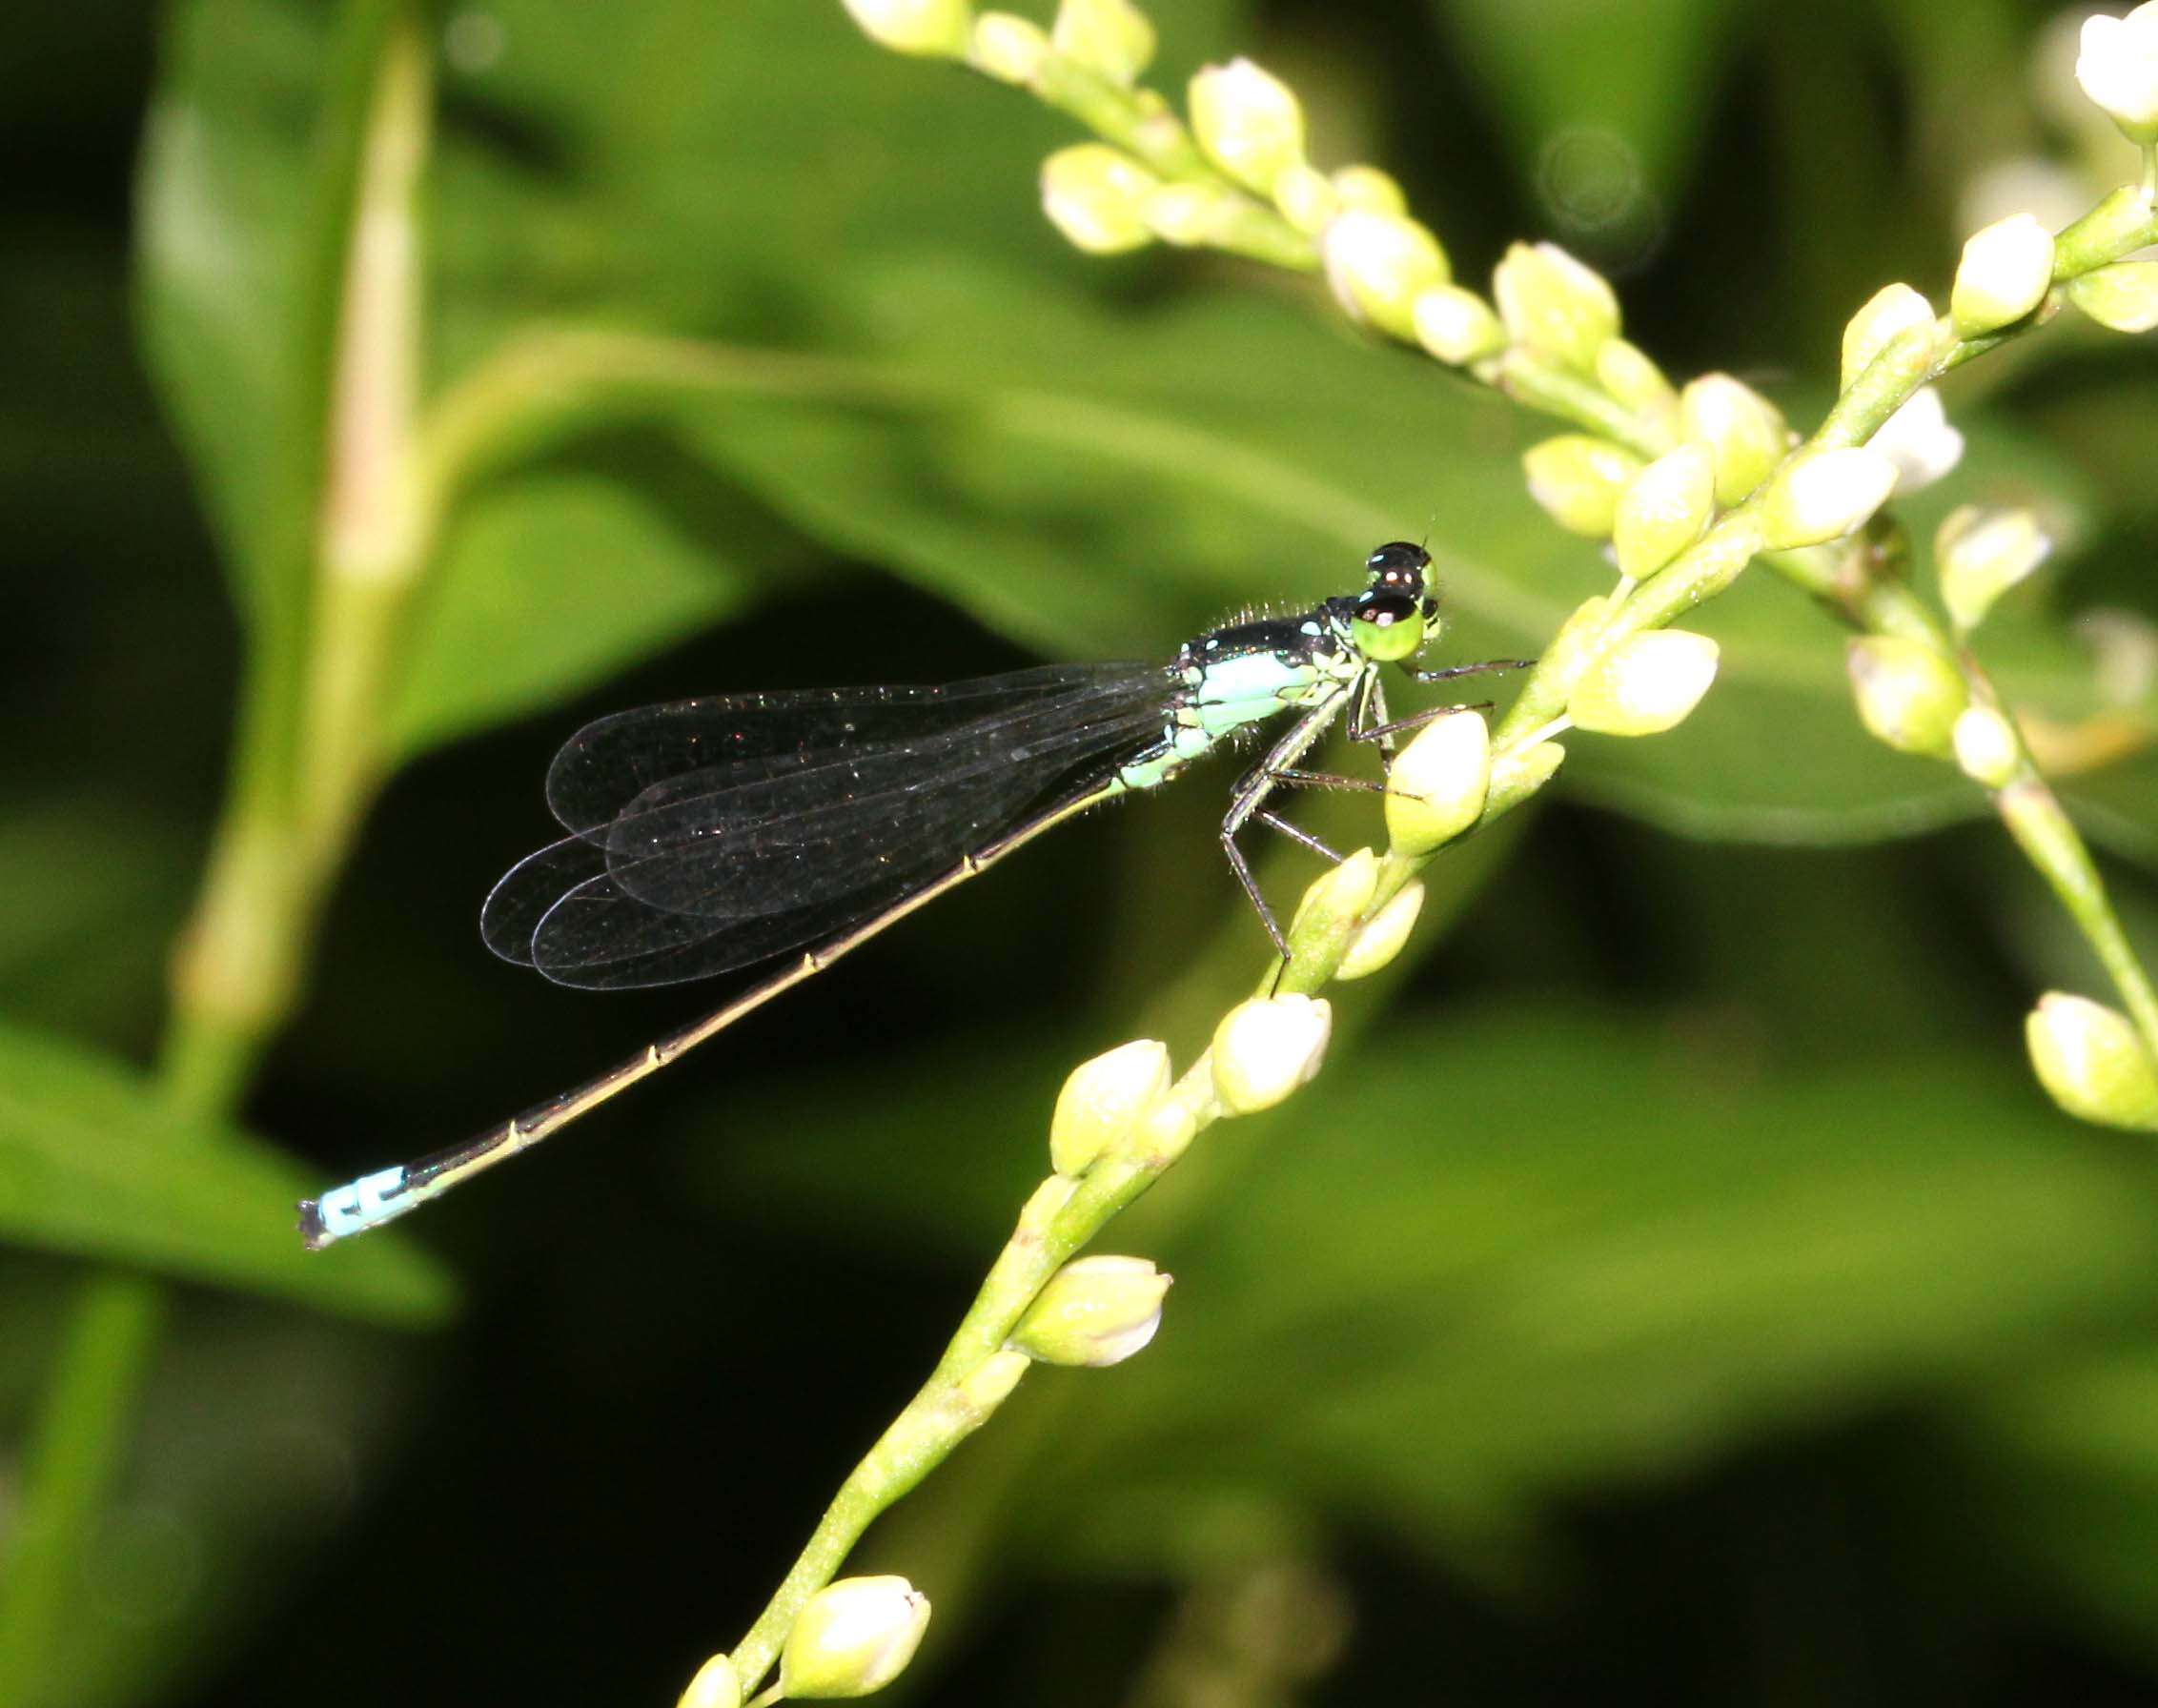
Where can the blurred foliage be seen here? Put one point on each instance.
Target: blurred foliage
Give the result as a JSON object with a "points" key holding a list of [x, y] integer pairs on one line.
{"points": [[1675, 1288]]}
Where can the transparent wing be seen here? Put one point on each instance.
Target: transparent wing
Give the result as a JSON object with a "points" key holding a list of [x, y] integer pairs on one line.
{"points": [[788, 819]]}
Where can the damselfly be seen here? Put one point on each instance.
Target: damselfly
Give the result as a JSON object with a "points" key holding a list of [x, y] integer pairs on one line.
{"points": [[710, 834]]}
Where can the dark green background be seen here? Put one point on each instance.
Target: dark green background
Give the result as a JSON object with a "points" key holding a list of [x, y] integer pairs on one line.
{"points": [[1675, 1289]]}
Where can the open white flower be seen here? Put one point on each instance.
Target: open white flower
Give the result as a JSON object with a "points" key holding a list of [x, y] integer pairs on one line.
{"points": [[2118, 69]]}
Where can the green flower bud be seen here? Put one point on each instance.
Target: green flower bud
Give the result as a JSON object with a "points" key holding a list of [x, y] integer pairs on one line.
{"points": [[1456, 325], [1908, 695], [1112, 38], [1553, 305], [1306, 197], [1627, 374], [853, 1637], [1825, 494], [935, 29], [1570, 650], [1192, 213], [1008, 47], [1093, 1312], [1102, 1098], [990, 1383], [1518, 775], [2122, 296], [2006, 272], [1379, 264], [1664, 510], [1891, 312], [1379, 939], [1247, 122], [714, 1686], [1986, 751], [1647, 685], [1099, 197], [1267, 1048], [1336, 900], [2118, 69], [1577, 480], [2092, 1061], [1982, 553], [1436, 788], [1743, 428], [1369, 190]]}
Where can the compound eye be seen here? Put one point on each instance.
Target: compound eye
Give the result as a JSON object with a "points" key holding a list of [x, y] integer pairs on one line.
{"points": [[1383, 610], [1401, 565]]}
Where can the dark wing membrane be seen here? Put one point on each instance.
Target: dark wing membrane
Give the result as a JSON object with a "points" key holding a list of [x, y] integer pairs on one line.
{"points": [[612, 761], [728, 863]]}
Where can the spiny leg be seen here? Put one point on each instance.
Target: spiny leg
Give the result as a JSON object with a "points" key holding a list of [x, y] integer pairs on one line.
{"points": [[1431, 713], [1251, 795], [1489, 667], [1273, 820]]}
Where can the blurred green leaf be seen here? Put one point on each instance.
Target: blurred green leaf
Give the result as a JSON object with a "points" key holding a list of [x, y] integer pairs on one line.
{"points": [[1521, 1257], [1598, 97], [2069, 1465], [94, 1165]]}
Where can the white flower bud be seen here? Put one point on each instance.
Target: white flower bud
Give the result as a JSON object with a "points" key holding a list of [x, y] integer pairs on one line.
{"points": [[2092, 1061], [853, 1637], [1369, 190], [2005, 273], [1554, 305], [1436, 788], [1099, 197], [1457, 325], [1647, 685], [1102, 1098], [1665, 508], [1306, 198], [1982, 553], [1379, 264], [1744, 429], [935, 29], [1248, 121], [2123, 297], [1267, 1048], [1628, 374], [714, 1686], [2118, 69], [1008, 47], [1112, 38], [1824, 496], [1908, 695], [1985, 746], [1094, 1310], [1917, 440], [1577, 480], [1379, 939], [1891, 312]]}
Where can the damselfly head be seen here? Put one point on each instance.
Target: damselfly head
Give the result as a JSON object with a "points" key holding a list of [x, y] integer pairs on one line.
{"points": [[1397, 613]]}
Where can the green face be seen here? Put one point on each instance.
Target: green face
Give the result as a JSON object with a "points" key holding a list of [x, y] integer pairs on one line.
{"points": [[1388, 637]]}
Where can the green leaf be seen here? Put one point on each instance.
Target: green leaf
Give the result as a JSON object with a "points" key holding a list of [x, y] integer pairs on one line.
{"points": [[1604, 102], [1512, 1260], [94, 1165]]}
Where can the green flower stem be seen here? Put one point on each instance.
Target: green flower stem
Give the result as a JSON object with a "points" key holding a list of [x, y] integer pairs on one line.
{"points": [[303, 763], [1058, 1221], [1540, 384], [1136, 120], [2042, 828]]}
